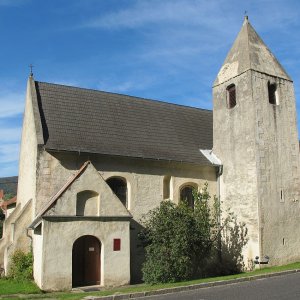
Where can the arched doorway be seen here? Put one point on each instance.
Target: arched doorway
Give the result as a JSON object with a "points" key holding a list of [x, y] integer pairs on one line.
{"points": [[86, 261]]}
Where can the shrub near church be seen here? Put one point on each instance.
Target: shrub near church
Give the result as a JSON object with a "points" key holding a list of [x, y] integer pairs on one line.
{"points": [[184, 242]]}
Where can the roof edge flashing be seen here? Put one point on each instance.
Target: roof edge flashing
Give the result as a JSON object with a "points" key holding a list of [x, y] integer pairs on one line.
{"points": [[211, 157], [170, 160]]}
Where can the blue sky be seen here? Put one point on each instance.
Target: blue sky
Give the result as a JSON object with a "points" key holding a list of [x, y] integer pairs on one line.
{"points": [[169, 50]]}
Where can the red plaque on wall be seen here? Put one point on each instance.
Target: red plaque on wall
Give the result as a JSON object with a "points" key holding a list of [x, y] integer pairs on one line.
{"points": [[117, 244]]}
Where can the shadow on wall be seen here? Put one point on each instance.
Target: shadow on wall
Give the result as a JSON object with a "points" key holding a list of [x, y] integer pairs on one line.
{"points": [[74, 160], [137, 253]]}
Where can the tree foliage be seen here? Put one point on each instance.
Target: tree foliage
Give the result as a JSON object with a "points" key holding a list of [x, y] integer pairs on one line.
{"points": [[8, 196], [21, 268], [183, 242]]}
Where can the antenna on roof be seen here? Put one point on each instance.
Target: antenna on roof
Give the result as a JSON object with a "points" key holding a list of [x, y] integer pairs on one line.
{"points": [[31, 66]]}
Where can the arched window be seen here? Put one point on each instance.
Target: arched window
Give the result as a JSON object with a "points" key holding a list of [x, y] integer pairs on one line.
{"points": [[87, 203], [166, 187], [119, 187], [186, 194], [272, 93], [231, 96]]}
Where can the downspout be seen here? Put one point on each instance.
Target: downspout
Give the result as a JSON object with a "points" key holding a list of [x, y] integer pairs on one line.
{"points": [[216, 162], [219, 172]]}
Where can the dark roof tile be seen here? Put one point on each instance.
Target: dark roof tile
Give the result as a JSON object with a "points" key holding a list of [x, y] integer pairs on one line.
{"points": [[76, 119]]}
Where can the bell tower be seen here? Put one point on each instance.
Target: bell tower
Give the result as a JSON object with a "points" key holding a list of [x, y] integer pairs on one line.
{"points": [[255, 136]]}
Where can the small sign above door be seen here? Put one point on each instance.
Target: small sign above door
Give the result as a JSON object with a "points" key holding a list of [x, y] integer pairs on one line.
{"points": [[91, 249]]}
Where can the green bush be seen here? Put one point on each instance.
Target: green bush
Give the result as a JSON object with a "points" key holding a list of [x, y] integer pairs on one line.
{"points": [[183, 243], [21, 267], [168, 244]]}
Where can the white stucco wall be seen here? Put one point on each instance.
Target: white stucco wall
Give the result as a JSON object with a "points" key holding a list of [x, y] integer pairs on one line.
{"points": [[234, 144], [144, 182], [37, 247], [278, 170], [31, 137], [91, 181], [15, 234], [144, 177], [115, 265], [108, 220], [257, 143]]}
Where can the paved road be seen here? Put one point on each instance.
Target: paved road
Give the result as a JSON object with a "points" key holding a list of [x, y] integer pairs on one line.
{"points": [[286, 287]]}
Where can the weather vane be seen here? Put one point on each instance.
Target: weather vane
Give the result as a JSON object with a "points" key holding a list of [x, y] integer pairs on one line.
{"points": [[31, 67]]}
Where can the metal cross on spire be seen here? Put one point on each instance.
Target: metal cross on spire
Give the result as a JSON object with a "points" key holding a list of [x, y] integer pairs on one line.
{"points": [[246, 14], [31, 66]]}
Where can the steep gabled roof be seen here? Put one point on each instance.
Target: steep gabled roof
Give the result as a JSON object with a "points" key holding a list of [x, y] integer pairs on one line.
{"points": [[76, 119], [53, 199], [111, 206], [249, 52], [62, 189]]}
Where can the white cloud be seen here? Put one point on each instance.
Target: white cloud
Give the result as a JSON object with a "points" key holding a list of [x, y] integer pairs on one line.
{"points": [[10, 169], [121, 87], [10, 134], [117, 85], [152, 12], [11, 104], [64, 82], [177, 34], [200, 17], [9, 153], [174, 32]]}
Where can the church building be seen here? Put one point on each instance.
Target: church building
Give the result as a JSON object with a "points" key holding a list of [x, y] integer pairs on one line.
{"points": [[93, 163]]}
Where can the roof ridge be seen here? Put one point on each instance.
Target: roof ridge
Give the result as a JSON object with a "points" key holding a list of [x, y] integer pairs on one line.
{"points": [[249, 52], [247, 24], [130, 96]]}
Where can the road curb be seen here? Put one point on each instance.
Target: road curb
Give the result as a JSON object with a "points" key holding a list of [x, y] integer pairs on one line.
{"points": [[188, 287]]}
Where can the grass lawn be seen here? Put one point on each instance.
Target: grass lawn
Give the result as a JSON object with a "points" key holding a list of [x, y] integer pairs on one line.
{"points": [[9, 287]]}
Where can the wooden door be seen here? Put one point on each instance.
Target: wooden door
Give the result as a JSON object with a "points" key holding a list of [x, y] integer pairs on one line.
{"points": [[86, 261]]}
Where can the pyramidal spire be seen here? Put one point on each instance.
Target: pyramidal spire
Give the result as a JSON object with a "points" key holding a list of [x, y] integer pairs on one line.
{"points": [[249, 52]]}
